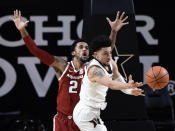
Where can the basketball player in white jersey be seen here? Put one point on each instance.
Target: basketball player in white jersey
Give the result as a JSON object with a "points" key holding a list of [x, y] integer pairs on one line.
{"points": [[101, 74], [70, 74]]}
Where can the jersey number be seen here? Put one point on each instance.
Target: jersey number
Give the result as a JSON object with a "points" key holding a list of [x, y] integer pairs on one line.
{"points": [[74, 85]]}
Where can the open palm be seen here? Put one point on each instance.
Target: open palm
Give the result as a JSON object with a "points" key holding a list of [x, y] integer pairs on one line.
{"points": [[119, 22], [20, 25]]}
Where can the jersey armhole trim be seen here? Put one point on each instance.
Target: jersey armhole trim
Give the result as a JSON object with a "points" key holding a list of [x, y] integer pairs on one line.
{"points": [[64, 71]]}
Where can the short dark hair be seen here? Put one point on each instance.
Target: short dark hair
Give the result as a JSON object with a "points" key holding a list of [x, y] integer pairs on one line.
{"points": [[75, 43], [99, 42]]}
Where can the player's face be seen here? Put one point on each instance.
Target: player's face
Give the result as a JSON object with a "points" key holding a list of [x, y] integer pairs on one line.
{"points": [[103, 55], [82, 51]]}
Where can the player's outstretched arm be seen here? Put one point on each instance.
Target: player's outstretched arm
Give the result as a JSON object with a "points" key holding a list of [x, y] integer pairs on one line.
{"points": [[134, 91], [116, 25], [96, 74], [58, 63], [118, 77]]}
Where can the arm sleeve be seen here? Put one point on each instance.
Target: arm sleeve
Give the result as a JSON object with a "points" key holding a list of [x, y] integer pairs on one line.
{"points": [[44, 56], [126, 91]]}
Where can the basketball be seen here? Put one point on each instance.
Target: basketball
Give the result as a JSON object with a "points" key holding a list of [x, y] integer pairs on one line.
{"points": [[157, 77]]}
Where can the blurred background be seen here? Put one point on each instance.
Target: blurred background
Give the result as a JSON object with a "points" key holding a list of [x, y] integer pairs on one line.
{"points": [[28, 88]]}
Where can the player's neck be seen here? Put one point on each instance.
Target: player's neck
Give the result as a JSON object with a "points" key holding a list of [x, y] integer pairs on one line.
{"points": [[77, 64]]}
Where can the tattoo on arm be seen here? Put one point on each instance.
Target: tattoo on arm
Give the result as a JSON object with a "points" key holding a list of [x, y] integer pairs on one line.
{"points": [[57, 70], [61, 60], [59, 65], [98, 72]]}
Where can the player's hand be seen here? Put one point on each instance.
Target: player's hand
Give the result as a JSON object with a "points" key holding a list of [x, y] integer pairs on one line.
{"points": [[133, 84], [137, 92], [118, 23], [20, 25]]}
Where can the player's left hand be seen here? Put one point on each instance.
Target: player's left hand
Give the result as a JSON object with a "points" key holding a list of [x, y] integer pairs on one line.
{"points": [[137, 92], [118, 23]]}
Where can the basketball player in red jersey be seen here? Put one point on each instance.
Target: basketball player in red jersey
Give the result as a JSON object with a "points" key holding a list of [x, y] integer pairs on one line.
{"points": [[70, 74]]}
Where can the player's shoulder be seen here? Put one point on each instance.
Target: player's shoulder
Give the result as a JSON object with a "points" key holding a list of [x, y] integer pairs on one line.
{"points": [[93, 68], [93, 64]]}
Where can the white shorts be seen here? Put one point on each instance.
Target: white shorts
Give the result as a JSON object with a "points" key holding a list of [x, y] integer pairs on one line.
{"points": [[88, 118]]}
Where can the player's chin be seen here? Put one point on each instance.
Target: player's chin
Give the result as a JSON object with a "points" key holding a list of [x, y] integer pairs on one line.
{"points": [[84, 59], [107, 62]]}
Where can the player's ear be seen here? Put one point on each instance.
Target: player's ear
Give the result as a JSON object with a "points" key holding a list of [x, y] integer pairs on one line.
{"points": [[73, 53], [95, 54]]}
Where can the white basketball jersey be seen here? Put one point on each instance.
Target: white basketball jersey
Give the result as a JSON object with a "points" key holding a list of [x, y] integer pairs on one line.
{"points": [[92, 93]]}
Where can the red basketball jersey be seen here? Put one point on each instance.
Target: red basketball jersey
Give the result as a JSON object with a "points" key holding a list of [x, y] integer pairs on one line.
{"points": [[69, 89]]}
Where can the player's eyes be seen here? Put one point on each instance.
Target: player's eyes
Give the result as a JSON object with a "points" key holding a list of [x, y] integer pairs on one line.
{"points": [[107, 53], [80, 47]]}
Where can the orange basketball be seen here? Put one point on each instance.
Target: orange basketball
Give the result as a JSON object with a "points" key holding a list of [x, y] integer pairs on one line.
{"points": [[157, 77]]}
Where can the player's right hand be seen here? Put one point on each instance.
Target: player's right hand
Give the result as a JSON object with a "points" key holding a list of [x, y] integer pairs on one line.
{"points": [[20, 25], [133, 84]]}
